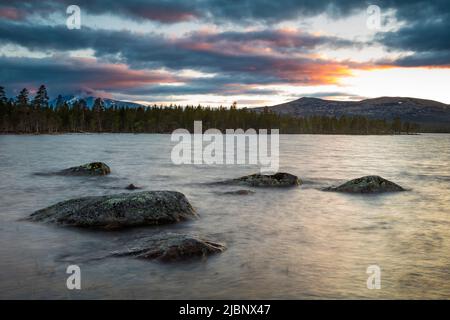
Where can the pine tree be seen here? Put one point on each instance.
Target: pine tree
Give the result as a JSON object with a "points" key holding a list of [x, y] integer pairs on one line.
{"points": [[397, 125], [41, 98], [98, 109], [3, 98], [22, 98], [59, 101]]}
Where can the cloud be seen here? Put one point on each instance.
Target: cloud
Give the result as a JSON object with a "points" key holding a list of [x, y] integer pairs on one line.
{"points": [[169, 11], [241, 61], [235, 69], [69, 75], [424, 32], [11, 13], [173, 11], [267, 41], [333, 95]]}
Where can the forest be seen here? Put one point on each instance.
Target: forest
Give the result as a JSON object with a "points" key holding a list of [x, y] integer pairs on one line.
{"points": [[25, 115]]}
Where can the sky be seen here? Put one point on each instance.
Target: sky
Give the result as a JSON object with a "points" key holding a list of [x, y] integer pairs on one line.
{"points": [[256, 53]]}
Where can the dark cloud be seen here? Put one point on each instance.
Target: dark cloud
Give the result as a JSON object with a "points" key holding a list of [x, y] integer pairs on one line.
{"points": [[236, 11], [278, 40], [112, 42], [424, 31], [66, 75], [421, 59], [171, 11], [238, 57], [210, 86], [168, 11]]}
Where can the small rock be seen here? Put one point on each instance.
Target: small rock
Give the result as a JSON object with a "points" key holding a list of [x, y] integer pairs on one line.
{"points": [[279, 179], [119, 211], [132, 187], [172, 248], [367, 184], [88, 169]]}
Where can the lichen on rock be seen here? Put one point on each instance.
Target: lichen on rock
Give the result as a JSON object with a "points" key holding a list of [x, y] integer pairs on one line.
{"points": [[88, 169], [118, 211], [280, 179], [367, 184], [171, 248]]}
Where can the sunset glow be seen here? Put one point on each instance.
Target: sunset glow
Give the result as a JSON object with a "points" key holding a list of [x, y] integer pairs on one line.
{"points": [[201, 53]]}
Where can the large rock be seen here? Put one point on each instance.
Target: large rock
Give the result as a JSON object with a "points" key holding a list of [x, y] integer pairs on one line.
{"points": [[279, 179], [171, 248], [119, 211], [367, 184], [88, 169]]}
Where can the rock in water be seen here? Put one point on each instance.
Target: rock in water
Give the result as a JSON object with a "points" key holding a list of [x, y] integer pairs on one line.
{"points": [[132, 187], [279, 179], [241, 192], [367, 184], [119, 211], [172, 248], [88, 169]]}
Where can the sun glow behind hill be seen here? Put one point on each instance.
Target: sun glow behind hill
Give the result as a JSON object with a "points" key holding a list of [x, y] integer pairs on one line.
{"points": [[208, 53]]}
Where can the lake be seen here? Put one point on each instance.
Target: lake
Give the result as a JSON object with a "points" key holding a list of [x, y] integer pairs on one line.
{"points": [[295, 243]]}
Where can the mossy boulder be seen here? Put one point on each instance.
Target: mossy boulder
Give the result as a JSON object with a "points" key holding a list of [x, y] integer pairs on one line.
{"points": [[367, 184], [118, 211], [88, 169], [171, 248], [280, 179]]}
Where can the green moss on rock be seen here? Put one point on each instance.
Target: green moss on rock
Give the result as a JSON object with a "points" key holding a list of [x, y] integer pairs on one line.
{"points": [[171, 248], [119, 211], [367, 184], [89, 169], [280, 179]]}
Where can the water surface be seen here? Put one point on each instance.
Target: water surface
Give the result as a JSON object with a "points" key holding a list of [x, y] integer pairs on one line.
{"points": [[297, 243]]}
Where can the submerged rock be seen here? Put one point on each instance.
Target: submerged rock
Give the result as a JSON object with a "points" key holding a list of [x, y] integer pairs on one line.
{"points": [[171, 248], [367, 184], [118, 211], [132, 187], [280, 179], [88, 169], [241, 192]]}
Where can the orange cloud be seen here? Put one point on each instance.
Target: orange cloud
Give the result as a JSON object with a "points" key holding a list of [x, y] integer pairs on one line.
{"points": [[11, 13]]}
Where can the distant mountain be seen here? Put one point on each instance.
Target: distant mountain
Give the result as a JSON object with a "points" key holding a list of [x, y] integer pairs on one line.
{"points": [[70, 99], [431, 115]]}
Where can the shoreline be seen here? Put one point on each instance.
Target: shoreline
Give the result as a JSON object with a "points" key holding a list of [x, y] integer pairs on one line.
{"points": [[168, 133]]}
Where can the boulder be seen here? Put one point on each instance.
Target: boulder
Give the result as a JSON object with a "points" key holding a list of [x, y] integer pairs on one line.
{"points": [[88, 169], [171, 248], [279, 179], [367, 184], [119, 211]]}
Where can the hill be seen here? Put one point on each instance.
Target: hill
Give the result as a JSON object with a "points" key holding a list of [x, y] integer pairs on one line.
{"points": [[431, 115]]}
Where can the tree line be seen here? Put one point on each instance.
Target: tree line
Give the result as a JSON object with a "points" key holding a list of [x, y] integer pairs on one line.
{"points": [[37, 116]]}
